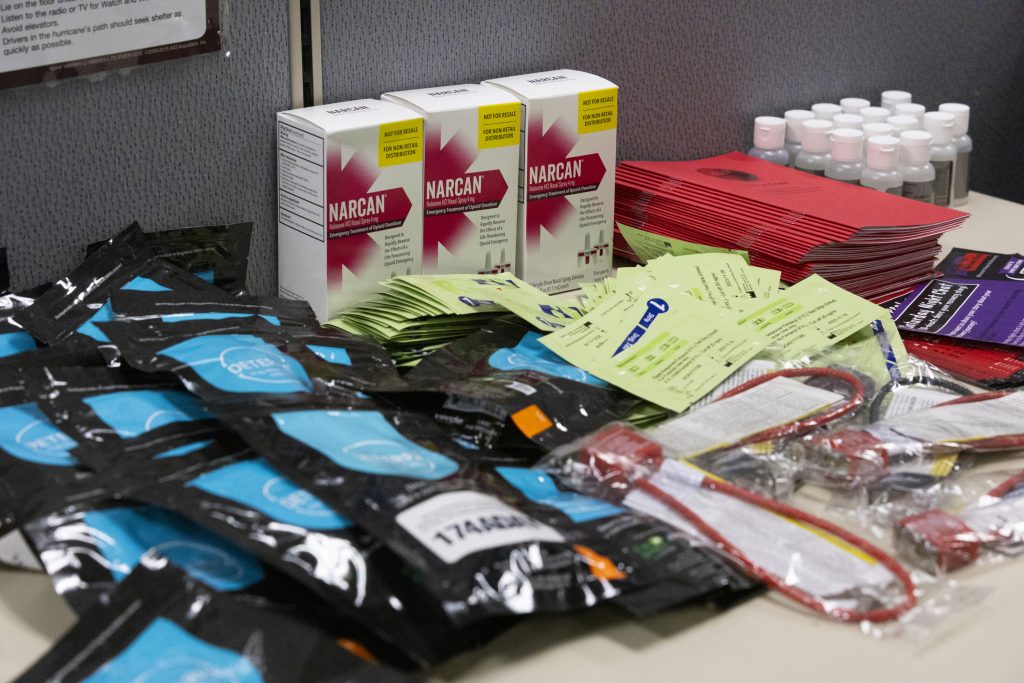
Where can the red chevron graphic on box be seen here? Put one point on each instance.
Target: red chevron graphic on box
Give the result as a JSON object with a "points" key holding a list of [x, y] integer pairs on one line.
{"points": [[450, 192], [552, 175], [353, 212]]}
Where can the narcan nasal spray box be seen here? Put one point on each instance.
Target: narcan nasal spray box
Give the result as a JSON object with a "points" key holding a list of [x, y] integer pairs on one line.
{"points": [[471, 170], [566, 177], [350, 192]]}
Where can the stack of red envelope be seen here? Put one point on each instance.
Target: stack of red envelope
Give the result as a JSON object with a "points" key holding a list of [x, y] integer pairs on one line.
{"points": [[874, 244]]}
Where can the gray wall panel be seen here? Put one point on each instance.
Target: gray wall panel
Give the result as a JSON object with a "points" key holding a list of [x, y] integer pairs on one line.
{"points": [[179, 143], [694, 74]]}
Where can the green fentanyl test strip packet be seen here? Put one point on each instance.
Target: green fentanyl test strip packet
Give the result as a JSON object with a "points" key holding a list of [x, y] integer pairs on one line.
{"points": [[659, 344], [722, 280], [811, 315], [648, 246]]}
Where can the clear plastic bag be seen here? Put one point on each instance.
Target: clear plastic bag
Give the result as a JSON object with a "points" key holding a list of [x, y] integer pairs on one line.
{"points": [[808, 559], [859, 455]]}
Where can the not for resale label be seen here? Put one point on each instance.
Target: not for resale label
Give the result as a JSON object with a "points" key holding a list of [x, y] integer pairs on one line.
{"points": [[400, 142], [454, 525], [598, 110]]}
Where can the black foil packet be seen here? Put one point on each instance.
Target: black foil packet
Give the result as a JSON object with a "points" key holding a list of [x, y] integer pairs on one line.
{"points": [[76, 302], [488, 541], [242, 360], [218, 254], [161, 624], [214, 305], [109, 409], [34, 453], [253, 505]]}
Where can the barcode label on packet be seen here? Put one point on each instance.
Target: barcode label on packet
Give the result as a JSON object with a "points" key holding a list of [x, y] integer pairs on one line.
{"points": [[777, 402], [963, 422], [454, 525], [812, 560]]}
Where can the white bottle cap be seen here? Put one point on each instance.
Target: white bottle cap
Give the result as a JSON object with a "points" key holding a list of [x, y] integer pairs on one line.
{"points": [[940, 125], [903, 122], [826, 110], [769, 132], [883, 152], [847, 145], [873, 129], [961, 115], [890, 98], [911, 109], [847, 121], [794, 123], [874, 114], [915, 147], [853, 105], [816, 132]]}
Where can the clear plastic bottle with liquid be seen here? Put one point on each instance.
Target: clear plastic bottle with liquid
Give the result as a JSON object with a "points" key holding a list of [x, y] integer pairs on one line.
{"points": [[846, 160], [770, 140], [882, 170], [918, 172], [943, 157], [964, 146], [794, 130], [814, 150]]}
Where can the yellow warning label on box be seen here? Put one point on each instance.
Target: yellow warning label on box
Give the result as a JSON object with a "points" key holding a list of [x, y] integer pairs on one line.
{"points": [[498, 125], [400, 142], [598, 110]]}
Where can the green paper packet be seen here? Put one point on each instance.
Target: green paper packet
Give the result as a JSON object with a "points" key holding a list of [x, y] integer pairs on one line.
{"points": [[722, 280], [808, 317], [648, 246], [458, 294], [768, 281], [657, 343]]}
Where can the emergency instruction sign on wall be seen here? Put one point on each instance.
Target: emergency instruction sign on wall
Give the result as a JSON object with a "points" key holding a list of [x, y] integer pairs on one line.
{"points": [[47, 40]]}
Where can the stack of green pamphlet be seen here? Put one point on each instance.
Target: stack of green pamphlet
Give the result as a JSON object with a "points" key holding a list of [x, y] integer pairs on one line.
{"points": [[415, 315]]}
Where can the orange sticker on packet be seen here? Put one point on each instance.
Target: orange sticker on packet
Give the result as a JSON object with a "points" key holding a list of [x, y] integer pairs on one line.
{"points": [[600, 566], [531, 421]]}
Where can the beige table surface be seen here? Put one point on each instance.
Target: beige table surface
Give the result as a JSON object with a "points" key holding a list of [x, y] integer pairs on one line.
{"points": [[762, 640]]}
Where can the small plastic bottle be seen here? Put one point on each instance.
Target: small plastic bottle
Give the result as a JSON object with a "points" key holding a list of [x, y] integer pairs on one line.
{"points": [[813, 156], [853, 105], [918, 172], [847, 121], [874, 114], [882, 171], [770, 140], [890, 98], [794, 130], [873, 129], [902, 122], [847, 156], [826, 110], [911, 109], [940, 125], [964, 146]]}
